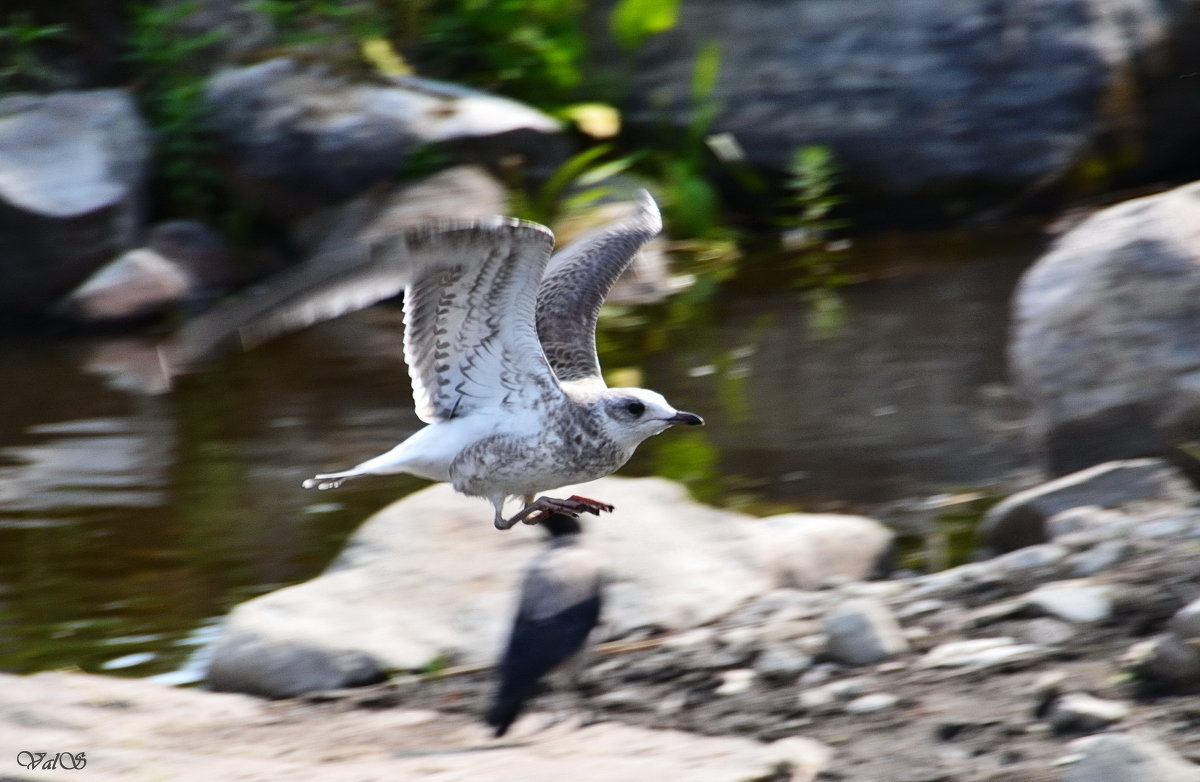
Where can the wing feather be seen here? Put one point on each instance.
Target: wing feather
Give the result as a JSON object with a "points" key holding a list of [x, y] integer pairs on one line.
{"points": [[470, 291], [576, 282], [470, 340], [327, 285]]}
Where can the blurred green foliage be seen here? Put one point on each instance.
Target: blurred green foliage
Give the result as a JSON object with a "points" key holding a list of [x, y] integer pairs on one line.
{"points": [[578, 183], [692, 200], [531, 50], [633, 21], [693, 461], [22, 66], [950, 537], [809, 233], [169, 61], [299, 22], [812, 186]]}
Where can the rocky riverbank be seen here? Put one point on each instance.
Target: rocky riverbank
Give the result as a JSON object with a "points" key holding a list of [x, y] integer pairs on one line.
{"points": [[1072, 659]]}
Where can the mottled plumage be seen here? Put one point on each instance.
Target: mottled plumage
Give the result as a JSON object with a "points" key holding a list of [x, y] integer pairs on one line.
{"points": [[502, 356], [576, 282], [500, 345], [559, 608]]}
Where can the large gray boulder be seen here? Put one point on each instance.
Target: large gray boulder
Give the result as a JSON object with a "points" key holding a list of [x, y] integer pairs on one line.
{"points": [[71, 169], [1104, 333], [301, 137], [1022, 519], [926, 95], [183, 262], [1127, 757], [428, 578], [814, 550]]}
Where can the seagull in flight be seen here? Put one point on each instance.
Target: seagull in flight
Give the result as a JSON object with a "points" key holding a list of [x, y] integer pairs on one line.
{"points": [[500, 345]]}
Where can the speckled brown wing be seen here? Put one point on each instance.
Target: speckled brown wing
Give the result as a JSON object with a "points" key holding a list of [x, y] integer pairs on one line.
{"points": [[576, 282]]}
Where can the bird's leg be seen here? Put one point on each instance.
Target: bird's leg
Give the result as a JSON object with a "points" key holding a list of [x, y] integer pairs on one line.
{"points": [[534, 512]]}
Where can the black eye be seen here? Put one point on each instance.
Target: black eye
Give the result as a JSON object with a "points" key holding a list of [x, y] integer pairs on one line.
{"points": [[635, 408]]}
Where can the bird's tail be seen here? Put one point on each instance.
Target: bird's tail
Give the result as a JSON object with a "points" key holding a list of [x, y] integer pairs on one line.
{"points": [[329, 480]]}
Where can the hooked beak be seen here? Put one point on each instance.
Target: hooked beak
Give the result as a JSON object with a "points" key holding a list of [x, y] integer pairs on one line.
{"points": [[691, 419]]}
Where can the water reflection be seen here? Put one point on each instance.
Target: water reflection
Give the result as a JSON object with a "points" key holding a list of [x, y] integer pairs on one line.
{"points": [[901, 398], [88, 463], [130, 523]]}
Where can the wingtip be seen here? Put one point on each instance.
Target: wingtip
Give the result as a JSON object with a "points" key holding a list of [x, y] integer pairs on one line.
{"points": [[649, 209]]}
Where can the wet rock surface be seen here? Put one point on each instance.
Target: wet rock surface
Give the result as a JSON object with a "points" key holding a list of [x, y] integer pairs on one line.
{"points": [[183, 262], [1022, 519]]}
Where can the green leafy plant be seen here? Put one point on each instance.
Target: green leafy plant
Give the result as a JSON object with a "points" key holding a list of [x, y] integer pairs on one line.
{"points": [[169, 60], [692, 202], [21, 64], [531, 50], [334, 27], [633, 21], [810, 228], [950, 535], [435, 667], [812, 187], [578, 183]]}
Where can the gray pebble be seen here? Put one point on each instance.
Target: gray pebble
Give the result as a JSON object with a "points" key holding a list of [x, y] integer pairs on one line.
{"points": [[872, 702], [782, 661], [861, 632], [1076, 600], [1124, 757], [1079, 712]]}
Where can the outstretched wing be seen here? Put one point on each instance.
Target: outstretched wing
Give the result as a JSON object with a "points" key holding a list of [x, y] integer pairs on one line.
{"points": [[348, 278], [470, 291], [576, 282], [469, 338]]}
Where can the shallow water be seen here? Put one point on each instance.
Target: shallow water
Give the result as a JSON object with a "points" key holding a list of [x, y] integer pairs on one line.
{"points": [[130, 523]]}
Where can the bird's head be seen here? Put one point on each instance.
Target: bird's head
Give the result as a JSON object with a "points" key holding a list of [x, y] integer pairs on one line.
{"points": [[633, 414]]}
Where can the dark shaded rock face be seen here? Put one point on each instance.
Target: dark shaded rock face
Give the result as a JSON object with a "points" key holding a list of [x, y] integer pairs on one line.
{"points": [[927, 96], [71, 167], [183, 262], [1104, 335], [298, 138], [1021, 520]]}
